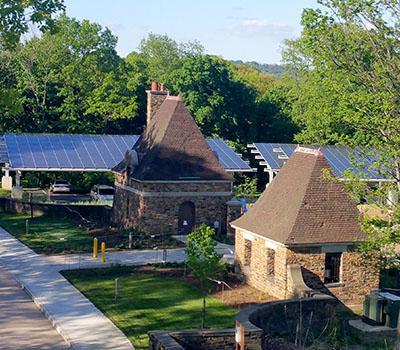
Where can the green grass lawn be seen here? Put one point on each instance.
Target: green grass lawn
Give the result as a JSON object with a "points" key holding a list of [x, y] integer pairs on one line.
{"points": [[47, 234], [4, 192], [149, 302]]}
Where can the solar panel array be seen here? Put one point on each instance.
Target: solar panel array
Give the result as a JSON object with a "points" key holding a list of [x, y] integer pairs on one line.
{"points": [[227, 157], [66, 152], [338, 157], [87, 152]]}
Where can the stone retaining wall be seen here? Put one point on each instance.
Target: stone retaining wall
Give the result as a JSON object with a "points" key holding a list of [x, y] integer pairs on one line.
{"points": [[98, 215], [280, 318]]}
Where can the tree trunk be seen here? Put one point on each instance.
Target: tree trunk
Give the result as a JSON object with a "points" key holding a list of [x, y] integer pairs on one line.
{"points": [[203, 312]]}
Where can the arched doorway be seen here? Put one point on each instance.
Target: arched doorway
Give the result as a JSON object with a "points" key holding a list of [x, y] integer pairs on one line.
{"points": [[186, 218]]}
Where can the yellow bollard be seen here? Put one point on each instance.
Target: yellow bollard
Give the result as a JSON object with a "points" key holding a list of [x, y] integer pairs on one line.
{"points": [[103, 250], [95, 247]]}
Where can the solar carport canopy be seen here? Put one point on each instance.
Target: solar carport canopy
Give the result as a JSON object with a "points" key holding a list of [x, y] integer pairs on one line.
{"points": [[339, 157], [68, 152]]}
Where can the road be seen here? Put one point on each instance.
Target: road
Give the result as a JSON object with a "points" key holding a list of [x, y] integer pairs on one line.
{"points": [[63, 197], [70, 197]]}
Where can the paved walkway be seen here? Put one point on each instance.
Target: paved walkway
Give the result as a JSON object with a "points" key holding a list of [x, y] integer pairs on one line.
{"points": [[22, 324], [126, 257], [79, 322]]}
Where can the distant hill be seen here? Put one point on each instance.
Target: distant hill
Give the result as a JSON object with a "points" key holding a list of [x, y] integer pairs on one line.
{"points": [[277, 69]]}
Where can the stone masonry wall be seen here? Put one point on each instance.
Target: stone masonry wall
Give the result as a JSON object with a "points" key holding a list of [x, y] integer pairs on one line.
{"points": [[159, 214], [154, 101], [356, 277], [280, 318], [256, 273], [209, 339]]}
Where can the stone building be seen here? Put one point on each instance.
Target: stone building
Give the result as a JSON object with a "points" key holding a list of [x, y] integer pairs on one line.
{"points": [[171, 180], [301, 233]]}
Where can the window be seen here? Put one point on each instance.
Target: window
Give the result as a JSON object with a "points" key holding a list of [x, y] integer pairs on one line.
{"points": [[332, 267], [247, 252], [270, 264]]}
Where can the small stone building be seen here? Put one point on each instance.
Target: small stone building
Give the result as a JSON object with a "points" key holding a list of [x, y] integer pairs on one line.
{"points": [[304, 223], [171, 180]]}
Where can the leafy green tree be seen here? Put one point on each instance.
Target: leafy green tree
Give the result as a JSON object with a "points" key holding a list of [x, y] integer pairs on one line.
{"points": [[274, 115], [9, 94], [347, 69], [163, 55], [15, 15], [203, 260], [247, 187], [259, 80], [221, 103], [74, 81]]}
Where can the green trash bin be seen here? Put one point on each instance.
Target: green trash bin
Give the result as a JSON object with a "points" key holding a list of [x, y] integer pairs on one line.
{"points": [[373, 309], [391, 309]]}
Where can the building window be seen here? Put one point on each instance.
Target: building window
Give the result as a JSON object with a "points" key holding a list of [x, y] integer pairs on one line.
{"points": [[270, 264], [247, 252], [332, 267]]}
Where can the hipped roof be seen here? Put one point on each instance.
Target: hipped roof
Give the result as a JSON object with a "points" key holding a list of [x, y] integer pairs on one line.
{"points": [[173, 148], [302, 206]]}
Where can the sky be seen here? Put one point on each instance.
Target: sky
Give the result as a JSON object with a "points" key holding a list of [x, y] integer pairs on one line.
{"points": [[247, 30]]}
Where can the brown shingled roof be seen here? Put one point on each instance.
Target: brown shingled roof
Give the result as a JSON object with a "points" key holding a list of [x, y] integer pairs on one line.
{"points": [[173, 148], [301, 207]]}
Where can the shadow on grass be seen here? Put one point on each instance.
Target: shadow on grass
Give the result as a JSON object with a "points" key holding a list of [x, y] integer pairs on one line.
{"points": [[148, 302]]}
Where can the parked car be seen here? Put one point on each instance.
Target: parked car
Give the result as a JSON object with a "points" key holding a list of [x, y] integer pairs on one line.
{"points": [[102, 193], [60, 186]]}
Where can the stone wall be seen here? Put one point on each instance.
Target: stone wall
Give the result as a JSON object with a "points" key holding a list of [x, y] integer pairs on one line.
{"points": [[256, 273], [98, 215], [154, 207], [356, 277], [282, 318], [155, 99], [208, 339]]}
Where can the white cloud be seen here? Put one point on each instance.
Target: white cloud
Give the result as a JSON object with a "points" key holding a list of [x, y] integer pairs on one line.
{"points": [[263, 27]]}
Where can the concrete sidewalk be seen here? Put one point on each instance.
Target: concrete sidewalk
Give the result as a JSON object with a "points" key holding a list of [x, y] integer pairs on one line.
{"points": [[128, 257], [79, 322], [22, 324]]}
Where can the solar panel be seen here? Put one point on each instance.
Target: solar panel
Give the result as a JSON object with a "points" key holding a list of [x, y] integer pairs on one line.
{"points": [[227, 157], [66, 152], [266, 151], [338, 157], [88, 152]]}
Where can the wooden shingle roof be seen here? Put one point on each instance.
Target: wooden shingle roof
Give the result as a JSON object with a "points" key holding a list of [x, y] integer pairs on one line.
{"points": [[301, 206], [172, 148]]}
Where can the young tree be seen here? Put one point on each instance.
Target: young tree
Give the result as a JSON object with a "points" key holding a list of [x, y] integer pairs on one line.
{"points": [[203, 260]]}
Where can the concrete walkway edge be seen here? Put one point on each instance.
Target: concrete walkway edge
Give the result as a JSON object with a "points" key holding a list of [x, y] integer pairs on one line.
{"points": [[79, 322]]}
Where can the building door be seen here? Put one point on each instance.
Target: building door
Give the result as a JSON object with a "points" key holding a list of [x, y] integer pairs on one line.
{"points": [[186, 218]]}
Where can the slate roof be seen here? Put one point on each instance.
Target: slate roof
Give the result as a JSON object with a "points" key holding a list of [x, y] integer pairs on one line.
{"points": [[173, 148], [301, 207]]}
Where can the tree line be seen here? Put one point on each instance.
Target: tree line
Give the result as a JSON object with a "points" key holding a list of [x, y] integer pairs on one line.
{"points": [[71, 80]]}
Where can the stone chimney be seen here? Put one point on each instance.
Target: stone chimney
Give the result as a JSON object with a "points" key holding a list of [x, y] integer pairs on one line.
{"points": [[155, 97]]}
